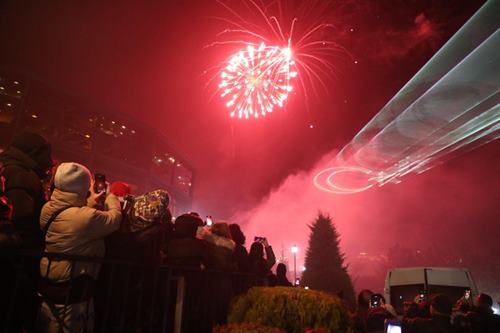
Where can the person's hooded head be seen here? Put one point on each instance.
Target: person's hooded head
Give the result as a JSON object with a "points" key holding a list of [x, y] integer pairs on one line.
{"points": [[281, 270], [221, 229], [441, 305], [237, 234], [37, 149], [73, 178], [256, 251], [186, 226], [364, 298], [484, 302]]}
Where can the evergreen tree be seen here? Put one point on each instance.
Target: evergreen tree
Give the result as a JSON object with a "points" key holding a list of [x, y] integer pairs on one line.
{"points": [[325, 267]]}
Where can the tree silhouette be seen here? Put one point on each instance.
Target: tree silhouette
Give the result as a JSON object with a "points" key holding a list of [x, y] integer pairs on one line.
{"points": [[325, 267]]}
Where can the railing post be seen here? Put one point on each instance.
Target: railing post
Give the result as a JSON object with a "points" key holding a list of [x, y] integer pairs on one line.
{"points": [[179, 303]]}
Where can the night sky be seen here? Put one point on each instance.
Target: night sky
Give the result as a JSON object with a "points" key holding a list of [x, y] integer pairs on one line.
{"points": [[147, 59]]}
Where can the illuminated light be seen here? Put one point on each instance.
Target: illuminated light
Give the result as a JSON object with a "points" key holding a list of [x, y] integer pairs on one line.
{"points": [[113, 122], [351, 30], [16, 82], [132, 131], [434, 117], [121, 133], [355, 61], [303, 268], [19, 91], [311, 126], [159, 160], [295, 249], [179, 164], [87, 136], [189, 184], [2, 88], [325, 180], [123, 126], [9, 104], [287, 52], [171, 159], [34, 116], [306, 287]]}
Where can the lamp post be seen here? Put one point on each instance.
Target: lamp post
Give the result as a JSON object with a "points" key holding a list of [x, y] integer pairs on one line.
{"points": [[295, 249]]}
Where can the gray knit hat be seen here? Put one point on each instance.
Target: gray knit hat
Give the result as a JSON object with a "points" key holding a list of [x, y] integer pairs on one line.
{"points": [[72, 177]]}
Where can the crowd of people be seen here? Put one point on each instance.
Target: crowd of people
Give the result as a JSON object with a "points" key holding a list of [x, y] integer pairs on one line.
{"points": [[65, 211], [434, 314], [74, 218]]}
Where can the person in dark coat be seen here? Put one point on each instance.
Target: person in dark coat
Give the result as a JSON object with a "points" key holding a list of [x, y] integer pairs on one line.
{"points": [[220, 247], [481, 318], [361, 314], [259, 265], [240, 254], [24, 165], [185, 249], [281, 279], [376, 318], [439, 320]]}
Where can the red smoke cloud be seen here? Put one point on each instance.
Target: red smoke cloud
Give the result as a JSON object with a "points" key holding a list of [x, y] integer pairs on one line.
{"points": [[448, 206]]}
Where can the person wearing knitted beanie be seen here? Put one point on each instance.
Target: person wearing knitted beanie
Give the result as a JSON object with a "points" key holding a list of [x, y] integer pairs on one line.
{"points": [[77, 229]]}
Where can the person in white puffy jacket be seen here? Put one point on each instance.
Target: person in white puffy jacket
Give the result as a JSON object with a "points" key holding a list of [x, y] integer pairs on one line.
{"points": [[72, 226]]}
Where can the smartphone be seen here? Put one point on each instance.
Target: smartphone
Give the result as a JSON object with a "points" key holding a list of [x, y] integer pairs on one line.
{"points": [[259, 239], [467, 294], [393, 326], [375, 301], [209, 221], [100, 183]]}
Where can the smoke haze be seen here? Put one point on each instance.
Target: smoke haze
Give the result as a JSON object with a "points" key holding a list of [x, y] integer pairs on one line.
{"points": [[438, 209]]}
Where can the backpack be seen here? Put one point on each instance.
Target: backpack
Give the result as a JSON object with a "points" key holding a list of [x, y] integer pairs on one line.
{"points": [[148, 209]]}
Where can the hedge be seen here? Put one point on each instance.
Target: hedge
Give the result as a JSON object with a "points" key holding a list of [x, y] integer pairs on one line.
{"points": [[294, 310]]}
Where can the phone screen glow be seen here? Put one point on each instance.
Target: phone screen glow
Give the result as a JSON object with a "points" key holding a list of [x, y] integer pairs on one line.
{"points": [[392, 328]]}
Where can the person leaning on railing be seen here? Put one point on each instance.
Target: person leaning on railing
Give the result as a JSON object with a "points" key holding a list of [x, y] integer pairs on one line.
{"points": [[73, 228]]}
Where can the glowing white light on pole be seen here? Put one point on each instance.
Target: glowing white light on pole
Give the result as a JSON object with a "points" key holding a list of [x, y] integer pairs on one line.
{"points": [[295, 249]]}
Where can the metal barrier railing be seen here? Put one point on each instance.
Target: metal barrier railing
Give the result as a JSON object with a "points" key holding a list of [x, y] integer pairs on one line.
{"points": [[126, 296]]}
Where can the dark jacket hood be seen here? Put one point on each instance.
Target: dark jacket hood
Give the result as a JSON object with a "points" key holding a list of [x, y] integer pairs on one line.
{"points": [[16, 157]]}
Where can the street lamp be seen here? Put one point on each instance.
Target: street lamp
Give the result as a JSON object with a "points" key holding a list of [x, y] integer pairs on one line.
{"points": [[295, 249]]}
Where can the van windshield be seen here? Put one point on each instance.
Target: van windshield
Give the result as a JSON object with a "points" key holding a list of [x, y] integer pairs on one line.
{"points": [[400, 294], [454, 293]]}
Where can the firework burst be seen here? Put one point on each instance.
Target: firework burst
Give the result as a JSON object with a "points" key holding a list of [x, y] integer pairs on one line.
{"points": [[257, 79], [260, 76]]}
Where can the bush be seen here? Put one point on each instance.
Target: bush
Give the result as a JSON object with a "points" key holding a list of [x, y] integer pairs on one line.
{"points": [[291, 309], [245, 328]]}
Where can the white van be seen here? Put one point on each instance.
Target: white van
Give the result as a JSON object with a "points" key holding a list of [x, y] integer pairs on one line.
{"points": [[403, 284]]}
